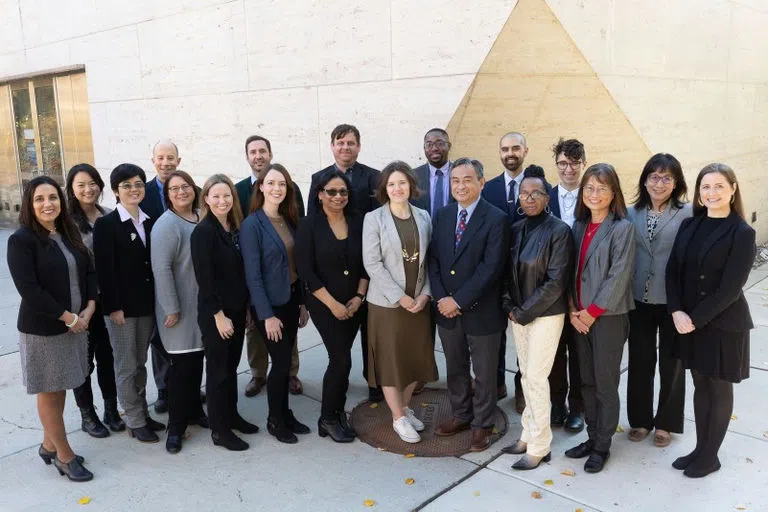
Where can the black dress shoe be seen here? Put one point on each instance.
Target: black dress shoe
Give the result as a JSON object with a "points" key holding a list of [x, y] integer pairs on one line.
{"points": [[155, 425], [161, 404], [527, 462], [92, 424], [49, 456], [683, 462], [515, 449], [74, 470], [348, 428], [596, 461], [173, 444], [144, 434], [201, 420], [203, 398], [558, 415], [695, 470], [334, 429], [580, 451], [229, 441], [375, 395], [281, 432], [112, 418], [243, 426], [295, 425], [574, 423]]}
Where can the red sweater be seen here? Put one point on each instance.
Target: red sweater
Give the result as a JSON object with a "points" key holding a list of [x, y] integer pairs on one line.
{"points": [[593, 309]]}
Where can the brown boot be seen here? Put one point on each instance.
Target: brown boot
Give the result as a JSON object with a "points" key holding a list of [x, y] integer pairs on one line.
{"points": [[481, 439], [451, 427], [255, 386]]}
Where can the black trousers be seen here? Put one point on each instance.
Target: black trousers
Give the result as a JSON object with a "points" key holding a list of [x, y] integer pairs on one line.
{"points": [[185, 375], [161, 361], [644, 322], [501, 370], [712, 409], [363, 314], [565, 369], [99, 348], [338, 337], [222, 357], [280, 352], [600, 352]]}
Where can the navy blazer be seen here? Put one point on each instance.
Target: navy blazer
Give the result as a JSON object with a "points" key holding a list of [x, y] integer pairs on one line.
{"points": [[554, 202], [266, 264], [495, 192], [472, 273], [152, 204], [422, 179]]}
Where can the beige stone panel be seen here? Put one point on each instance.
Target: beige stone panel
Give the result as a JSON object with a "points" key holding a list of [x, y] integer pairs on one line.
{"points": [[433, 37], [11, 34], [48, 56], [760, 127], [739, 119], [392, 116], [307, 42], [205, 55], [589, 24], [116, 13], [126, 125], [12, 63], [46, 21], [750, 174], [100, 136], [104, 54], [749, 45]]}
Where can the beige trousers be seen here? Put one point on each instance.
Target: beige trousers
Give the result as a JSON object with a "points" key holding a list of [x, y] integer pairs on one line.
{"points": [[536, 345]]}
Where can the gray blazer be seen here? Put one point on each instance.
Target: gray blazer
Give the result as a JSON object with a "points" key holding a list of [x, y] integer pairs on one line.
{"points": [[651, 256], [383, 256], [605, 278]]}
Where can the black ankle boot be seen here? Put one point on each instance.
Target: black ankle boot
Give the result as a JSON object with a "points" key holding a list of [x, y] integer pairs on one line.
{"points": [[74, 470], [92, 424], [161, 405], [344, 421], [332, 427], [229, 441], [111, 417], [281, 431], [295, 425]]}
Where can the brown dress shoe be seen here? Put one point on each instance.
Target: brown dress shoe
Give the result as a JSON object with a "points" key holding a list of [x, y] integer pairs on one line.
{"points": [[254, 386], [519, 401], [418, 389], [501, 392], [294, 386], [481, 439], [451, 427]]}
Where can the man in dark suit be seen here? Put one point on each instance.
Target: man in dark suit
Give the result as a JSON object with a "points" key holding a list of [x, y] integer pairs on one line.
{"points": [[466, 258], [345, 146], [570, 160], [165, 158], [432, 177], [258, 152]]}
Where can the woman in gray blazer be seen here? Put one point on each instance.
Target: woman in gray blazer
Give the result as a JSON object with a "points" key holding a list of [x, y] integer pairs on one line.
{"points": [[400, 350], [601, 298], [659, 209]]}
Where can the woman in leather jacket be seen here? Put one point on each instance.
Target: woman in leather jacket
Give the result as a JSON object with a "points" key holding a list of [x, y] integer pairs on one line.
{"points": [[535, 299]]}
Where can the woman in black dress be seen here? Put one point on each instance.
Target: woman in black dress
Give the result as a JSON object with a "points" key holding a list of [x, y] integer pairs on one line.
{"points": [[709, 265]]}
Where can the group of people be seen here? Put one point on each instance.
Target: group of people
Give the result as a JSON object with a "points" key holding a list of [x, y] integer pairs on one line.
{"points": [[400, 256]]}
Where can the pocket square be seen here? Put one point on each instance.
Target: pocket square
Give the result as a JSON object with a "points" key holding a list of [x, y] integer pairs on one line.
{"points": [[133, 237]]}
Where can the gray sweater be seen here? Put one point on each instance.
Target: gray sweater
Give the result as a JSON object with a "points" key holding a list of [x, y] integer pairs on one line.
{"points": [[175, 283]]}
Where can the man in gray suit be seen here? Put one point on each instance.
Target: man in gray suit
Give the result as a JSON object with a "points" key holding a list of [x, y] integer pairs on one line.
{"points": [[432, 177]]}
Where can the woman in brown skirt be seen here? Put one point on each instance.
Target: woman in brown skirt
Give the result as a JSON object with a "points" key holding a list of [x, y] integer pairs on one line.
{"points": [[400, 353]]}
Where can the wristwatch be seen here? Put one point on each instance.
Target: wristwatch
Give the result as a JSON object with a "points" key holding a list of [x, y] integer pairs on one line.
{"points": [[361, 296]]}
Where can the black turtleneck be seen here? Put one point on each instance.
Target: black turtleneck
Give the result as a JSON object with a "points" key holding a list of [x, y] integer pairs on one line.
{"points": [[532, 222]]}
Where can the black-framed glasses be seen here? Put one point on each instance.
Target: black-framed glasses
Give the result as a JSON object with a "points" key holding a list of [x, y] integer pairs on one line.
{"points": [[655, 179], [332, 192], [535, 195], [179, 188], [564, 164], [439, 144]]}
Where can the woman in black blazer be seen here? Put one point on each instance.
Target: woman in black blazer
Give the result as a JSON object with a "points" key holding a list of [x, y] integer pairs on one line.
{"points": [[276, 297], [121, 247], [221, 304], [329, 257], [709, 265], [52, 271]]}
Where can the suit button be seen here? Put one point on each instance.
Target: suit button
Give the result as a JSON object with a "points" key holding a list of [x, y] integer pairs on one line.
{"points": [[703, 293], [702, 276], [147, 279], [346, 272], [453, 272]]}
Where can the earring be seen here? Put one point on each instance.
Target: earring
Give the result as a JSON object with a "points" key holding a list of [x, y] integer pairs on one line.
{"points": [[733, 198], [520, 211], [547, 210]]}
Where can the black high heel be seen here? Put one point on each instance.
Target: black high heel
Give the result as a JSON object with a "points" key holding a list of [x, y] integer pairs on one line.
{"points": [[74, 470], [49, 456]]}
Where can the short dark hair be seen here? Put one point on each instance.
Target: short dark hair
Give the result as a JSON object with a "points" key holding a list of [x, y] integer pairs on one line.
{"points": [[253, 138], [343, 129], [571, 148], [324, 179], [437, 130], [78, 215], [125, 172], [662, 162], [605, 174], [188, 179], [477, 165], [389, 170], [535, 172]]}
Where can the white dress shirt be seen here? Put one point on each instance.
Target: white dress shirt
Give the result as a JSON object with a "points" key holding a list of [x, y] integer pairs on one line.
{"points": [[138, 224], [567, 200]]}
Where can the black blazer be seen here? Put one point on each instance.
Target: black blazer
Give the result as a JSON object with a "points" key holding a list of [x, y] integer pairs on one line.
{"points": [[41, 275], [324, 261], [554, 201], [218, 269], [245, 190], [538, 272], [152, 204], [124, 266], [472, 273], [422, 179], [724, 263], [364, 181]]}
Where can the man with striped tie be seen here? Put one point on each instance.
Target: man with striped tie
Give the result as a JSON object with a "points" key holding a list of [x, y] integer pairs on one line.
{"points": [[432, 177]]}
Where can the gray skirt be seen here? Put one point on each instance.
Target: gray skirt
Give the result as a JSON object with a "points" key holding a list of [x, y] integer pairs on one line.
{"points": [[53, 363]]}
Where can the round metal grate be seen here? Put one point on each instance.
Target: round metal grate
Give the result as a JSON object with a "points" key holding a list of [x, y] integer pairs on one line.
{"points": [[373, 423]]}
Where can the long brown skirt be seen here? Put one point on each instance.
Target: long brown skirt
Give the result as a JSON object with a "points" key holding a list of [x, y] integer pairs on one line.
{"points": [[400, 347]]}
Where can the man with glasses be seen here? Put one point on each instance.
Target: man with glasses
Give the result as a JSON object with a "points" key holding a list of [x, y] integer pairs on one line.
{"points": [[432, 177], [258, 153], [570, 160]]}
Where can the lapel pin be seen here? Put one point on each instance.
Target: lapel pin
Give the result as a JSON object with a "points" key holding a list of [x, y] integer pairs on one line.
{"points": [[133, 237]]}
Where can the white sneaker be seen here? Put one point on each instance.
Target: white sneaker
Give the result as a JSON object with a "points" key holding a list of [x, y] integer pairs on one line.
{"points": [[405, 430], [415, 422]]}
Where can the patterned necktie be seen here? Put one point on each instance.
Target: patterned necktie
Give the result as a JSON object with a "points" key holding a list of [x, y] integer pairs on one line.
{"points": [[511, 198], [461, 227], [438, 201]]}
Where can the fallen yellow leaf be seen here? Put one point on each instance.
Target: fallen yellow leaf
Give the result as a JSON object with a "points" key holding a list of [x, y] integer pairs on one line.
{"points": [[410, 455], [579, 510], [568, 472], [734, 417], [741, 507], [424, 404], [381, 449], [536, 495], [410, 481], [619, 429], [548, 482], [369, 503], [84, 500], [374, 405], [765, 434], [477, 493], [495, 430]]}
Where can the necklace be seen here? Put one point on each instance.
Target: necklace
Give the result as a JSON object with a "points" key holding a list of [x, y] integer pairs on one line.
{"points": [[591, 232], [410, 258]]}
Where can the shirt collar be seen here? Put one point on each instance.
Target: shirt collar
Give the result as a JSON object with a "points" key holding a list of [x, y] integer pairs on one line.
{"points": [[124, 215], [253, 179], [508, 178], [470, 208], [564, 192], [445, 168]]}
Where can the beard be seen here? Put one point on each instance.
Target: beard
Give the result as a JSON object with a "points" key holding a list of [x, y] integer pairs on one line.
{"points": [[512, 164]]}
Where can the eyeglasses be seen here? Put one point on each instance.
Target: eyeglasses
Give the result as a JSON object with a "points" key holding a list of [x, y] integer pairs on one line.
{"points": [[564, 164], [179, 188], [131, 186], [535, 195], [332, 192], [654, 179], [600, 191], [439, 144]]}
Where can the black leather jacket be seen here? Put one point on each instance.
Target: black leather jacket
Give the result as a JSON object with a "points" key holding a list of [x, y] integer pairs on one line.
{"points": [[539, 270]]}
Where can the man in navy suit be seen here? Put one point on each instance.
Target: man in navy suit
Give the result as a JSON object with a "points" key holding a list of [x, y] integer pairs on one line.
{"points": [[466, 257], [432, 177], [570, 160]]}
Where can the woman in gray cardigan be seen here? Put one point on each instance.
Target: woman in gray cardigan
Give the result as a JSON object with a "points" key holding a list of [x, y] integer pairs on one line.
{"points": [[176, 306], [658, 211]]}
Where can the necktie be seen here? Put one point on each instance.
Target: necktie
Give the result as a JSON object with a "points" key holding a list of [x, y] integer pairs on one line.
{"points": [[461, 227], [438, 201], [511, 198]]}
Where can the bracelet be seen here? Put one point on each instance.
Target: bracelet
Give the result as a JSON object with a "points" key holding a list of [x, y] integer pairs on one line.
{"points": [[74, 322]]}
